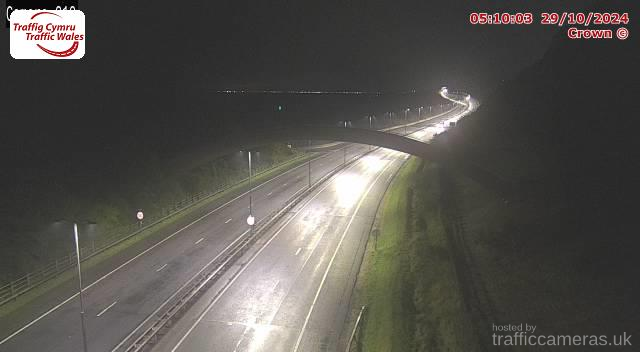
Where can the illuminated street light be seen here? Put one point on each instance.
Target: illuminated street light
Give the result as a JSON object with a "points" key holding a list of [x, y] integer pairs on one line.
{"points": [[370, 117], [309, 162], [345, 147], [80, 289], [84, 333], [406, 111], [250, 188]]}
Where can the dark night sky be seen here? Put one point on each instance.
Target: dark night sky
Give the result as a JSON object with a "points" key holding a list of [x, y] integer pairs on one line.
{"points": [[153, 68], [146, 86], [174, 48]]}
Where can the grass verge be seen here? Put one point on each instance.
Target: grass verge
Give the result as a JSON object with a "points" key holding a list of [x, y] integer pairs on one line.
{"points": [[160, 228], [408, 280], [454, 258]]}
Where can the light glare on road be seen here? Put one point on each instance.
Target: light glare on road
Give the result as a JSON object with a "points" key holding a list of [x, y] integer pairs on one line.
{"points": [[348, 187], [374, 163]]}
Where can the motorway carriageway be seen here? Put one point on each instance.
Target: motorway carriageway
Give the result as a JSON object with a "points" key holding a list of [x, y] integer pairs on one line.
{"points": [[123, 291]]}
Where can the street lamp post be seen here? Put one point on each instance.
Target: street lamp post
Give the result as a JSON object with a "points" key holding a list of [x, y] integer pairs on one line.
{"points": [[250, 219], [405, 120], [250, 188], [309, 173], [344, 155], [84, 333], [344, 162], [370, 116]]}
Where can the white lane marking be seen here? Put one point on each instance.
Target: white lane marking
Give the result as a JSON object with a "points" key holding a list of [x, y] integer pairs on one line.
{"points": [[247, 264], [28, 325], [285, 184], [152, 315], [228, 220], [160, 268], [335, 253], [298, 251], [417, 122], [295, 279], [269, 194], [244, 334], [106, 309], [200, 240]]}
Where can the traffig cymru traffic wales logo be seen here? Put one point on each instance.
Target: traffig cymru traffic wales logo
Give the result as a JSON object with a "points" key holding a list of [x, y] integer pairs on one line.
{"points": [[47, 34]]}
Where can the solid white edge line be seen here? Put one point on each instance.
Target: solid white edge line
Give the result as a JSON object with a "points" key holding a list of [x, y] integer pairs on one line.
{"points": [[298, 251], [228, 220], [177, 291], [106, 309], [31, 323], [244, 267], [247, 264], [238, 274], [333, 257], [162, 267], [28, 325], [221, 293], [200, 240]]}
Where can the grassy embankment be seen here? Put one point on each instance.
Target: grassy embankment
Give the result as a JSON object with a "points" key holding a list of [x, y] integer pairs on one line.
{"points": [[409, 282], [159, 229], [154, 185], [435, 285]]}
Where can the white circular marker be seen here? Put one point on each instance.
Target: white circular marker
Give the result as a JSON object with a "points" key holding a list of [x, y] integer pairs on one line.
{"points": [[251, 220], [140, 215]]}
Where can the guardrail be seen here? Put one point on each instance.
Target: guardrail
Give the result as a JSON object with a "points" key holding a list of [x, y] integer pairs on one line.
{"points": [[22, 285], [184, 298]]}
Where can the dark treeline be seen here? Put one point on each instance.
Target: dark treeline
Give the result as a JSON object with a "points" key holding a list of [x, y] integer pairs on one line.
{"points": [[565, 131], [101, 166]]}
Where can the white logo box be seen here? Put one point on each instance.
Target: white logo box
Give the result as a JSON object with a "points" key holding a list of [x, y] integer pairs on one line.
{"points": [[47, 34]]}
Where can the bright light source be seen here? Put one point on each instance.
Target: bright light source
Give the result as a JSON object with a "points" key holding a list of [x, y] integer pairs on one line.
{"points": [[373, 163], [468, 97], [251, 220], [438, 129], [348, 187]]}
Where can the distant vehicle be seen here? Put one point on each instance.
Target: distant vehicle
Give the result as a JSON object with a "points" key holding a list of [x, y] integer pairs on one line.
{"points": [[452, 124]]}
